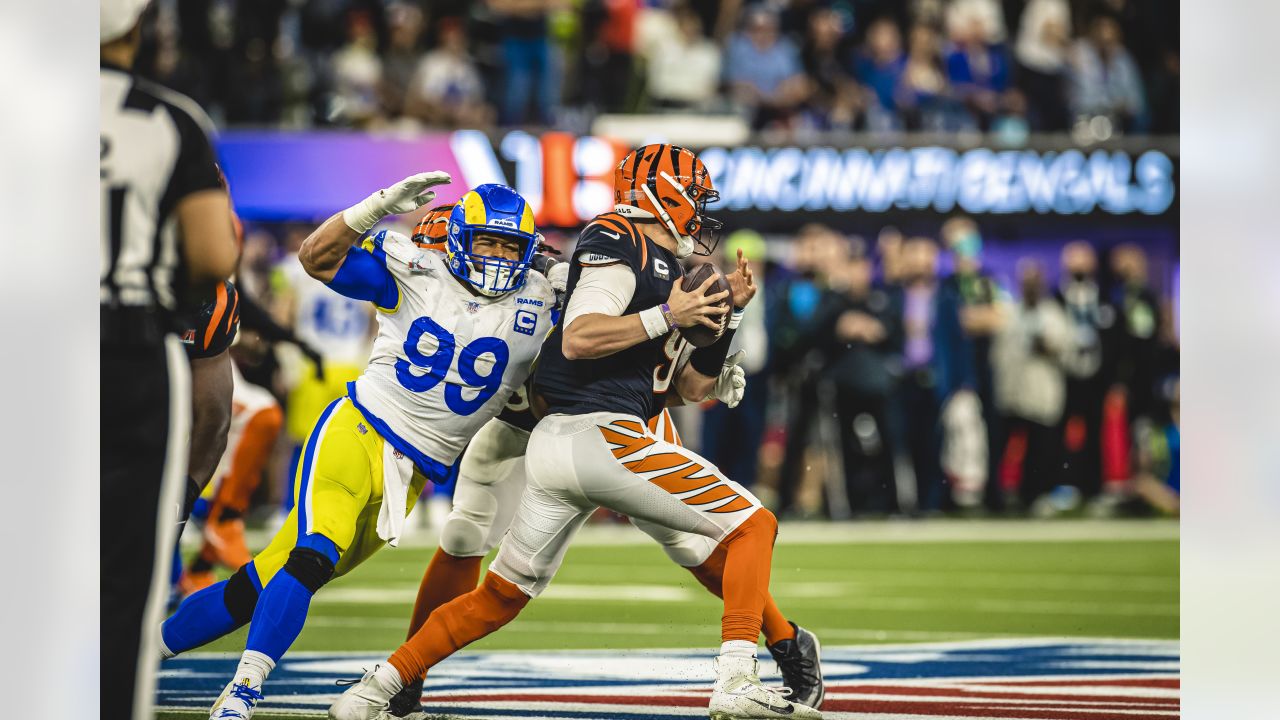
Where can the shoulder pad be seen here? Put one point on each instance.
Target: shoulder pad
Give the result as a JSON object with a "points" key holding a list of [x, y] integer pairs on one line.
{"points": [[536, 284], [608, 239], [389, 245]]}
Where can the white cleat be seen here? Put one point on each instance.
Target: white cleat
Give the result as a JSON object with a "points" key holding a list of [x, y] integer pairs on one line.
{"points": [[367, 697], [237, 701], [739, 695]]}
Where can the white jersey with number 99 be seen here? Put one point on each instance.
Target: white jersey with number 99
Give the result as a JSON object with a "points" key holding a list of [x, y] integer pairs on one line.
{"points": [[445, 359]]}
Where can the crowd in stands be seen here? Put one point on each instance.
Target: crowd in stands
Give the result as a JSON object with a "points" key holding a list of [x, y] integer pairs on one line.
{"points": [[1009, 67], [951, 392], [903, 375]]}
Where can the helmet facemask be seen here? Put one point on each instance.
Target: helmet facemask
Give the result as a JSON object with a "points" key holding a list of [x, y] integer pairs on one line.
{"points": [[491, 276], [694, 230]]}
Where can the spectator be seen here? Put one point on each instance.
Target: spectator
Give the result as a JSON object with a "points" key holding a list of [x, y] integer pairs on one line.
{"points": [[446, 90], [1135, 365], [402, 57], [357, 74], [918, 391], [529, 63], [1030, 354], [978, 72], [764, 72], [985, 17], [1105, 79], [971, 312], [683, 66], [921, 94], [1158, 482], [863, 342], [879, 66], [1089, 317], [606, 68], [796, 361], [1044, 38], [835, 97]]}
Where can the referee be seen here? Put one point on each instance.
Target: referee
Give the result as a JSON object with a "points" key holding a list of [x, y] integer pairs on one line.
{"points": [[166, 235]]}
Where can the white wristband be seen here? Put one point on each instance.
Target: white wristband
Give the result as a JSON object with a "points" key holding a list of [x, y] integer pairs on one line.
{"points": [[365, 214], [655, 325], [735, 318]]}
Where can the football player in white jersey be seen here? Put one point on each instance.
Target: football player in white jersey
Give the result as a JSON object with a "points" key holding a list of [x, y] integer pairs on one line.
{"points": [[457, 332]]}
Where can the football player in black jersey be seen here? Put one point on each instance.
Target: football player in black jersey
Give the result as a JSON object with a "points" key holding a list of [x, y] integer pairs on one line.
{"points": [[616, 359]]}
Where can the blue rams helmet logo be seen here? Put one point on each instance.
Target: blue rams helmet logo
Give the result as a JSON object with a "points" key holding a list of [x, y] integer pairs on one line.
{"points": [[494, 210]]}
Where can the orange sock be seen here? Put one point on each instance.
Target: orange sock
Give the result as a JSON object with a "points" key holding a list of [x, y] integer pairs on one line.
{"points": [[711, 574], [748, 555], [248, 459], [446, 578], [458, 623]]}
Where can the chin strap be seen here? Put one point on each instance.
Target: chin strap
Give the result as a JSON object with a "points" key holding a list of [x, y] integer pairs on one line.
{"points": [[684, 243]]}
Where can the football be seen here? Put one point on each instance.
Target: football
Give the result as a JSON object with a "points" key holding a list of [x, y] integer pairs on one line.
{"points": [[701, 335]]}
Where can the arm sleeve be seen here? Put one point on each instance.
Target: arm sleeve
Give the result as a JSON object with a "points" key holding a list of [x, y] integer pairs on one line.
{"points": [[364, 276], [605, 289], [196, 168]]}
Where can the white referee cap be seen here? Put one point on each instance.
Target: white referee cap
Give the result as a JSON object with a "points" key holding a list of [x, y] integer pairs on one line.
{"points": [[118, 17]]}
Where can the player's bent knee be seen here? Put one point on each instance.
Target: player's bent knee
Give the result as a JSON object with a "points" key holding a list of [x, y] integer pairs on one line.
{"points": [[309, 567], [240, 596], [690, 550], [765, 520], [462, 537]]}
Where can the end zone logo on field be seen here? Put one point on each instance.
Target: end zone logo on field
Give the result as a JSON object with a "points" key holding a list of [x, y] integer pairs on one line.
{"points": [[1025, 679]]}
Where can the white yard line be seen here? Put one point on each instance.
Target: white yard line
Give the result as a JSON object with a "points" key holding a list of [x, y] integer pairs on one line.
{"points": [[404, 595], [879, 531]]}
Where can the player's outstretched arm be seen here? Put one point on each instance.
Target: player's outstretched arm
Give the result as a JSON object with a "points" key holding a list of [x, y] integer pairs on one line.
{"points": [[325, 249]]}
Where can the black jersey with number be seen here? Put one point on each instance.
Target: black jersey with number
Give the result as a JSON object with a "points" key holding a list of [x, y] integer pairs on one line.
{"points": [[214, 327], [635, 380]]}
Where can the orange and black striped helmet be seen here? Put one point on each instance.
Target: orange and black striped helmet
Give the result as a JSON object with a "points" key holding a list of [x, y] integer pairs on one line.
{"points": [[670, 184], [432, 229]]}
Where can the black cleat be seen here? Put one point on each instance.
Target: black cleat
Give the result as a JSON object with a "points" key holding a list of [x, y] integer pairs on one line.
{"points": [[800, 662], [408, 700]]}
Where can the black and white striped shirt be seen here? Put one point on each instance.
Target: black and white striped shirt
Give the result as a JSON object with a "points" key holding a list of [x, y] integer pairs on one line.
{"points": [[155, 151]]}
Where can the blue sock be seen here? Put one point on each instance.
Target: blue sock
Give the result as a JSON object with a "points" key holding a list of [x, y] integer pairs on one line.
{"points": [[201, 618], [295, 458], [279, 616]]}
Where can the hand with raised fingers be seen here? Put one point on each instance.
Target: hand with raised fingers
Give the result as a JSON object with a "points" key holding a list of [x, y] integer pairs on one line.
{"points": [[742, 282], [403, 197]]}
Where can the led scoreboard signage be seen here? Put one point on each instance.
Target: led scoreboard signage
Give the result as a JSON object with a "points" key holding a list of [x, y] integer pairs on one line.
{"points": [[569, 178]]}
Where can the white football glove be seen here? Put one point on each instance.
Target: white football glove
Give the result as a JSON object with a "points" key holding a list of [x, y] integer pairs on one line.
{"points": [[403, 197], [732, 382], [558, 274]]}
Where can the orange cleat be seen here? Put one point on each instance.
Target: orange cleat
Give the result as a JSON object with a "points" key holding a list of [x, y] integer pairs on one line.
{"points": [[193, 581], [226, 539]]}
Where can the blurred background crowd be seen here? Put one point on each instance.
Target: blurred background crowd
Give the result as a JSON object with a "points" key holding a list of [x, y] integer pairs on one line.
{"points": [[1011, 364], [1097, 68], [887, 375]]}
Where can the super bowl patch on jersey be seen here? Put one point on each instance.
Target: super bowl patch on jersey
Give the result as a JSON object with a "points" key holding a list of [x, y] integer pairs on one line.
{"points": [[526, 322]]}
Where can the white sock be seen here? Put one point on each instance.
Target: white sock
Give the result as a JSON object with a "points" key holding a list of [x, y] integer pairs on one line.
{"points": [[254, 668], [738, 649], [387, 679]]}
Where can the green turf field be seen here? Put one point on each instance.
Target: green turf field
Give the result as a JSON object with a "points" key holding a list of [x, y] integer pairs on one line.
{"points": [[891, 582], [628, 595]]}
